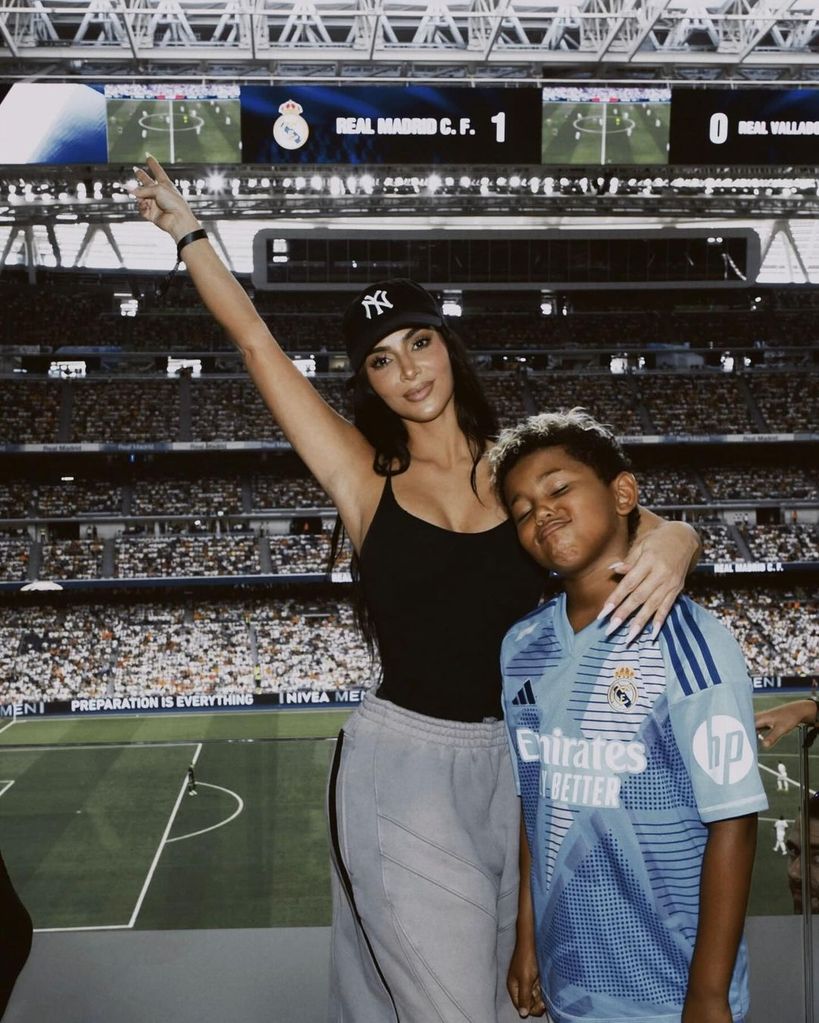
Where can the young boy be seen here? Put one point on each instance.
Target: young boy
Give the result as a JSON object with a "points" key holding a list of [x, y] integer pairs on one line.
{"points": [[634, 758]]}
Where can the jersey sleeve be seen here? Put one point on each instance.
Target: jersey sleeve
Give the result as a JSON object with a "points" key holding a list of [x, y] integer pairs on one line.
{"points": [[711, 710]]}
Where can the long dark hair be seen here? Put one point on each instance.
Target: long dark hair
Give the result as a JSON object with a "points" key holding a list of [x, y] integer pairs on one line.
{"points": [[387, 433]]}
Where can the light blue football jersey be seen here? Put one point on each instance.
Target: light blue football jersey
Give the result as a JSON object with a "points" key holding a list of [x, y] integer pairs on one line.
{"points": [[622, 756]]}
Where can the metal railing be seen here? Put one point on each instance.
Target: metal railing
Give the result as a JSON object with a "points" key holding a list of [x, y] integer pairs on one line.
{"points": [[807, 736]]}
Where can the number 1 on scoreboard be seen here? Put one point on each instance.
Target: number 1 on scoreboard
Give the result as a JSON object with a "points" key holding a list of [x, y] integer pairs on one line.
{"points": [[499, 120]]}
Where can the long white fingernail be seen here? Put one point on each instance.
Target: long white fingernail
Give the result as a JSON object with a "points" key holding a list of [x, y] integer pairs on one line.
{"points": [[614, 565], [613, 625], [605, 611]]}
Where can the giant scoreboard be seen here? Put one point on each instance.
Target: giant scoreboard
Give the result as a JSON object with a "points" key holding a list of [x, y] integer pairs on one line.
{"points": [[420, 125]]}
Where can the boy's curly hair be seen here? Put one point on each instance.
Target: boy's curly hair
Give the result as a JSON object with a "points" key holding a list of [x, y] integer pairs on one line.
{"points": [[580, 434]]}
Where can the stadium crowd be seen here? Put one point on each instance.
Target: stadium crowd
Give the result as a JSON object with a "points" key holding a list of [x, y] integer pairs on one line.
{"points": [[288, 492], [207, 496], [216, 496], [668, 486], [273, 645], [691, 404], [295, 554], [230, 410], [192, 548], [186, 555], [728, 483], [124, 410], [108, 409], [717, 542], [778, 633], [76, 497], [14, 556], [611, 399], [152, 649], [787, 401], [782, 542], [71, 559], [31, 411]]}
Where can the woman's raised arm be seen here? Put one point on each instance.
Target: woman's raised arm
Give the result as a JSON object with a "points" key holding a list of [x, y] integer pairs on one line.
{"points": [[336, 453]]}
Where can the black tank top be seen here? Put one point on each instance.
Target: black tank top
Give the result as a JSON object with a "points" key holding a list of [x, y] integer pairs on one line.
{"points": [[441, 603]]}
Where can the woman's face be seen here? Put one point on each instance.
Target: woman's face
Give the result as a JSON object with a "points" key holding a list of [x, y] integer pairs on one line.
{"points": [[411, 372]]}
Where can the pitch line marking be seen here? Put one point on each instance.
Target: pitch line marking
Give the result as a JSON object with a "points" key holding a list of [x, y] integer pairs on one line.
{"points": [[12, 722], [88, 927], [790, 781], [6, 786], [37, 748], [163, 842], [213, 827]]}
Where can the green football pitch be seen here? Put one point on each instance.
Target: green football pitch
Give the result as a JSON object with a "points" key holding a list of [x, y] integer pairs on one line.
{"points": [[605, 133], [98, 830], [175, 131]]}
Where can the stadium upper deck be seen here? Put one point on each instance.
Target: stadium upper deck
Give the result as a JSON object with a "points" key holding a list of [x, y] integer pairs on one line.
{"points": [[92, 312]]}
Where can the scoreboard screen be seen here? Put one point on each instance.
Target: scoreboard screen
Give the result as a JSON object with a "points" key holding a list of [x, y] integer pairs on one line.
{"points": [[588, 125], [413, 125], [741, 126], [593, 125]]}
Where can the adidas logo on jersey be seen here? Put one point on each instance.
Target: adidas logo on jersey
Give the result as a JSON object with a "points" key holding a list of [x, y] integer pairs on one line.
{"points": [[525, 698]]}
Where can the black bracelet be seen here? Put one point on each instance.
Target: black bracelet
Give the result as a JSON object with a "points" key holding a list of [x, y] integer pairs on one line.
{"points": [[815, 700], [191, 236]]}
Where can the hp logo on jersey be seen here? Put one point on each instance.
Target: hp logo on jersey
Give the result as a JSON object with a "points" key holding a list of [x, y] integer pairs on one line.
{"points": [[722, 749], [376, 303]]}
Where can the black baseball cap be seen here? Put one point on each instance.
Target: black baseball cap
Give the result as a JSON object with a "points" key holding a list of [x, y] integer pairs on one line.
{"points": [[380, 309]]}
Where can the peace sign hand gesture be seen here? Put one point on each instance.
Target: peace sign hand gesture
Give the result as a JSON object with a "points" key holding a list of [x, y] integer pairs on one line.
{"points": [[159, 201]]}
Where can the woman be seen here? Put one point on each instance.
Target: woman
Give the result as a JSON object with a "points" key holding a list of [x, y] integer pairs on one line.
{"points": [[423, 816]]}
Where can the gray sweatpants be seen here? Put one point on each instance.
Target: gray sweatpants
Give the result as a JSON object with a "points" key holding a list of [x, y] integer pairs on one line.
{"points": [[424, 827]]}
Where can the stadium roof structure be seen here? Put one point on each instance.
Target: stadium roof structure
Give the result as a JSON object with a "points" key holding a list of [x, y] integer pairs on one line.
{"points": [[408, 40], [789, 249]]}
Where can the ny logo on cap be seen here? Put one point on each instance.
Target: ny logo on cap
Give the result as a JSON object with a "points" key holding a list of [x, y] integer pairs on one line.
{"points": [[378, 302]]}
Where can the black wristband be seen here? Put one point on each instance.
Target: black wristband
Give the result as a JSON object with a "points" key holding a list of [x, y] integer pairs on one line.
{"points": [[186, 239], [815, 700], [191, 236]]}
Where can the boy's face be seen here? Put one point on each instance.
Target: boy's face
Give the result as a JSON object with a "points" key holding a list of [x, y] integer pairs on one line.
{"points": [[566, 517]]}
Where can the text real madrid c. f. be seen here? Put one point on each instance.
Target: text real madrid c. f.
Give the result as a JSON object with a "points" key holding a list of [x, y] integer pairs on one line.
{"points": [[402, 126]]}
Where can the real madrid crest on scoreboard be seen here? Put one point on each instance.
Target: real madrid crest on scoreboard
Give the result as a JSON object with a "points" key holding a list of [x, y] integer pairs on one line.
{"points": [[291, 130]]}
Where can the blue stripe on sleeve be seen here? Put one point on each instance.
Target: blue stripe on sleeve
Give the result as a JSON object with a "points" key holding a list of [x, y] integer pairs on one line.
{"points": [[696, 631], [675, 659], [685, 646]]}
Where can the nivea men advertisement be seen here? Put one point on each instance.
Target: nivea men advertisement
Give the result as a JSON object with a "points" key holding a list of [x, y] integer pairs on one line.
{"points": [[413, 125], [742, 126]]}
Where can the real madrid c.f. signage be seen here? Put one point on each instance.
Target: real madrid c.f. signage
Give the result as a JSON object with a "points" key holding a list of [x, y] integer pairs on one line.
{"points": [[388, 125]]}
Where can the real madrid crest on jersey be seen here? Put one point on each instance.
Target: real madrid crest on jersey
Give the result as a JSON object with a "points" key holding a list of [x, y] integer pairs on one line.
{"points": [[291, 130], [623, 692]]}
